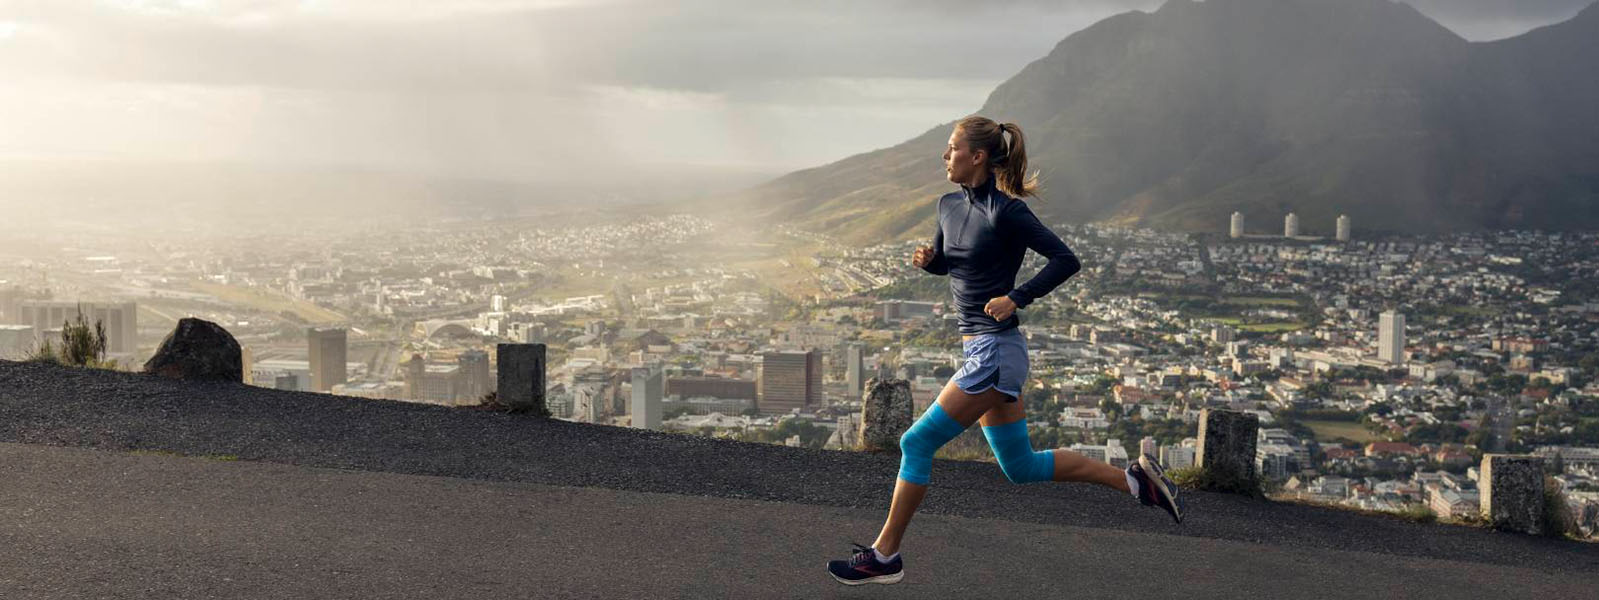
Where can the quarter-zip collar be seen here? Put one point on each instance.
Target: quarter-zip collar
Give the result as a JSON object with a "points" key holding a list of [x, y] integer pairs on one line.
{"points": [[982, 192]]}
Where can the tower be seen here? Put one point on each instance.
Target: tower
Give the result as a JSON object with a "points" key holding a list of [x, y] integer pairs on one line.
{"points": [[1236, 230], [1291, 225], [855, 367], [1391, 337], [328, 349], [1343, 228], [649, 388]]}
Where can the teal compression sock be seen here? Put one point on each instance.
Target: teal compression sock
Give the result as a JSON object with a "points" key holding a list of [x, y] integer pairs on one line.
{"points": [[930, 432], [1016, 456]]}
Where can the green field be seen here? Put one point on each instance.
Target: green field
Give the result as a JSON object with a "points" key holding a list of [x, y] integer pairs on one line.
{"points": [[1327, 431], [1273, 327], [1260, 301]]}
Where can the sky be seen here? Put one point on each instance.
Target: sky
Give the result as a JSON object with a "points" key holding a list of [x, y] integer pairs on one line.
{"points": [[534, 89]]}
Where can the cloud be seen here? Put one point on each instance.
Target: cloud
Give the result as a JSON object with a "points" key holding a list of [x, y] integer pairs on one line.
{"points": [[1495, 19], [531, 87]]}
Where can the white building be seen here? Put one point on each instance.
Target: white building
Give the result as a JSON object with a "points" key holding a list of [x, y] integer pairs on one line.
{"points": [[1343, 228], [1083, 418], [1236, 229], [1391, 337], [1291, 225], [1112, 452], [1177, 457]]}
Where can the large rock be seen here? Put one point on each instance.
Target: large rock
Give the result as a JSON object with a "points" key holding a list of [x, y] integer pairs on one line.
{"points": [[198, 349], [886, 412], [1512, 492], [521, 380], [1227, 445]]}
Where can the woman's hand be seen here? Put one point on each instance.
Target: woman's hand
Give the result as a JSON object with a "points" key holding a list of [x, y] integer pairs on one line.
{"points": [[922, 257], [1000, 308]]}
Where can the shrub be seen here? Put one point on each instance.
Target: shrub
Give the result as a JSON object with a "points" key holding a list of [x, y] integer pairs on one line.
{"points": [[491, 401], [81, 346], [1557, 518], [1418, 513]]}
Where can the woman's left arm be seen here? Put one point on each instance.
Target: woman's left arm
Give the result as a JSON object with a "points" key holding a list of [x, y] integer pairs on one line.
{"points": [[1062, 262]]}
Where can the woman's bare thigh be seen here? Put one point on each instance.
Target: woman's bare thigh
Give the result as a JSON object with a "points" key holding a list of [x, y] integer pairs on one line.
{"points": [[967, 408], [1004, 412]]}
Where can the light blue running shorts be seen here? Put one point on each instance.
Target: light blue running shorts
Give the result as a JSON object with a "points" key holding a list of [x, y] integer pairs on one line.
{"points": [[994, 360]]}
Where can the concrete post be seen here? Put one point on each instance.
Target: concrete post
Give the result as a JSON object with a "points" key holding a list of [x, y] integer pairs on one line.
{"points": [[1512, 492], [1227, 444], [886, 413], [521, 379]]}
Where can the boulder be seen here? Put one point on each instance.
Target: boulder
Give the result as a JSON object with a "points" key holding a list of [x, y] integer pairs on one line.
{"points": [[198, 349]]}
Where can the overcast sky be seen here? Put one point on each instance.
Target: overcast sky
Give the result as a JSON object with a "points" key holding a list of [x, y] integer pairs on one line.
{"points": [[533, 87]]}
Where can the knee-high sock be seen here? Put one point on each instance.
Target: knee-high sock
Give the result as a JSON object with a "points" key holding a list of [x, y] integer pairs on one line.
{"points": [[1016, 456], [929, 433]]}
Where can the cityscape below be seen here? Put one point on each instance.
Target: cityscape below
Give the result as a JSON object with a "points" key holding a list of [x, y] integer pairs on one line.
{"points": [[1380, 369]]}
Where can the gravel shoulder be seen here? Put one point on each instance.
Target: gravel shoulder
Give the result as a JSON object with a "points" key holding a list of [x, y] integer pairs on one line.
{"points": [[59, 406]]}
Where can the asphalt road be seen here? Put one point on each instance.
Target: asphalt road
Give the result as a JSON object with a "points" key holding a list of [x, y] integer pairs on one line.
{"points": [[83, 523]]}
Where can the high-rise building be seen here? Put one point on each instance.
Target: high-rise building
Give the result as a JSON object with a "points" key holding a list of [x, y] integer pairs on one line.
{"points": [[328, 350], [1343, 228], [588, 402], [1291, 225], [1391, 337], [121, 320], [788, 380], [1236, 228], [497, 303], [649, 388], [855, 367], [813, 378], [473, 381]]}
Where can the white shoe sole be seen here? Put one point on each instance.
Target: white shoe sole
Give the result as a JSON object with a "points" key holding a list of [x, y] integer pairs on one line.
{"points": [[878, 579], [1158, 477]]}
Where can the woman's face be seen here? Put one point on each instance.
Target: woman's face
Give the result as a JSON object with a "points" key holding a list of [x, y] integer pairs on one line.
{"points": [[960, 163]]}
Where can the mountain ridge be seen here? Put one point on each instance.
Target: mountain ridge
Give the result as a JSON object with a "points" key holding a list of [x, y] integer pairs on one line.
{"points": [[1177, 117]]}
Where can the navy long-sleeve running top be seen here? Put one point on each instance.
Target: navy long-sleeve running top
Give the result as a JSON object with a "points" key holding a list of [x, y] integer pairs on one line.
{"points": [[983, 234]]}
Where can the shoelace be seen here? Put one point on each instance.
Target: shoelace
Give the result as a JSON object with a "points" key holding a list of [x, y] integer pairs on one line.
{"points": [[862, 554]]}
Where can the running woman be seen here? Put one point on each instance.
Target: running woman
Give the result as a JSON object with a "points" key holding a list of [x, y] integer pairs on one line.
{"points": [[984, 231]]}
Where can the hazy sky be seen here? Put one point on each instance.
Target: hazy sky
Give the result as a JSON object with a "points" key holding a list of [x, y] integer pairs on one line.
{"points": [[533, 87]]}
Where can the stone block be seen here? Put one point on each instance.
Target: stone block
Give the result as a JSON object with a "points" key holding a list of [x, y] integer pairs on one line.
{"points": [[886, 412], [1227, 444], [521, 379], [1512, 492]]}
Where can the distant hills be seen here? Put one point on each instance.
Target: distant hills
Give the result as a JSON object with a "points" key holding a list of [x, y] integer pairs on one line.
{"points": [[1176, 118]]}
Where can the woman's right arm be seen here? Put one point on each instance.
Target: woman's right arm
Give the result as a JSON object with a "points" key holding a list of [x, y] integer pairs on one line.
{"points": [[938, 266]]}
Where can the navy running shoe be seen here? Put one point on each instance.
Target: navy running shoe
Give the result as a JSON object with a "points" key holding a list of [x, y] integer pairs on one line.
{"points": [[1155, 489], [863, 568]]}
